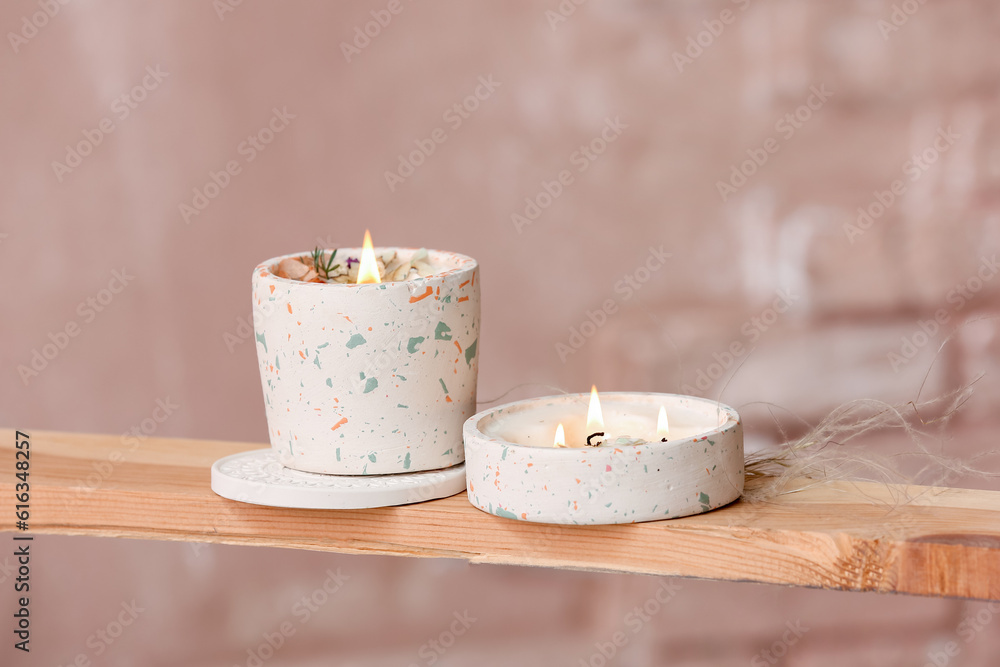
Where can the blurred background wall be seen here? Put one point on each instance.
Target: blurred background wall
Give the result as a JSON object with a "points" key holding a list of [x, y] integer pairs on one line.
{"points": [[787, 204]]}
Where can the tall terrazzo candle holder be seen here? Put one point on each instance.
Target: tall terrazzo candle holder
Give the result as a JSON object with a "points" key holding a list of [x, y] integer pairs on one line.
{"points": [[369, 379], [513, 471]]}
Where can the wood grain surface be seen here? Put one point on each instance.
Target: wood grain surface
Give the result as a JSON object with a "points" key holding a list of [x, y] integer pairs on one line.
{"points": [[848, 536]]}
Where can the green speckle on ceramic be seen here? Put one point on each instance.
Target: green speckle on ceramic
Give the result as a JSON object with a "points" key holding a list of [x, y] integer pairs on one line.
{"points": [[470, 352], [604, 485], [442, 332], [353, 370]]}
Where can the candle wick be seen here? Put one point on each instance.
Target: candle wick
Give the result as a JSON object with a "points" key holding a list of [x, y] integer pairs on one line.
{"points": [[663, 440], [594, 435]]}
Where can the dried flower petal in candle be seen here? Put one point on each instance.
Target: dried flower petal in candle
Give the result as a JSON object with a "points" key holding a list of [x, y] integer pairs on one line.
{"points": [[294, 269], [326, 266]]}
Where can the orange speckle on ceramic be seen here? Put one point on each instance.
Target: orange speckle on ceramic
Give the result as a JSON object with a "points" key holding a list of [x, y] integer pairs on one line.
{"points": [[414, 299], [376, 353], [630, 481]]}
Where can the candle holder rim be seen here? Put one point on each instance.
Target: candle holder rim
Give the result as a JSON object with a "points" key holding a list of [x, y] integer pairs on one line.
{"points": [[466, 264], [471, 426]]}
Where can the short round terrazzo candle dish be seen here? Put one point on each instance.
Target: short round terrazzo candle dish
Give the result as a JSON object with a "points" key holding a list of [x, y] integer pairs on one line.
{"points": [[513, 471], [369, 379]]}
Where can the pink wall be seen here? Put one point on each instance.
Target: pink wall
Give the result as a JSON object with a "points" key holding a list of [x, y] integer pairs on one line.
{"points": [[857, 295]]}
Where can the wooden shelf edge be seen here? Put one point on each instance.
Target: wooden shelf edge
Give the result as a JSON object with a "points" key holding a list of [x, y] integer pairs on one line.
{"points": [[843, 536]]}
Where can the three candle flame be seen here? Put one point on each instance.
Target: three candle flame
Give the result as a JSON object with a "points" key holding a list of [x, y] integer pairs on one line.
{"points": [[560, 440], [595, 418], [368, 269], [662, 426], [595, 421]]}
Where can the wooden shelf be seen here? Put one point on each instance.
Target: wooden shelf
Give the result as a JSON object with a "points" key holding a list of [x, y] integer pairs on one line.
{"points": [[860, 537]]}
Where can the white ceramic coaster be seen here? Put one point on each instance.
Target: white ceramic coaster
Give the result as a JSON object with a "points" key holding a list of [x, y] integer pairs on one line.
{"points": [[258, 478]]}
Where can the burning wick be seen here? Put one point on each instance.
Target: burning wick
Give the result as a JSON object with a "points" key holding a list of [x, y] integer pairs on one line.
{"points": [[368, 270], [662, 427], [595, 418]]}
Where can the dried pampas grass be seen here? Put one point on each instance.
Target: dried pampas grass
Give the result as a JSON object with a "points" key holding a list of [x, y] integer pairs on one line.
{"points": [[824, 454]]}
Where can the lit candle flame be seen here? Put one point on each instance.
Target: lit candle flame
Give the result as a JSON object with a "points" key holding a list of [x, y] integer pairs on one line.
{"points": [[368, 269], [662, 427], [560, 440], [595, 419]]}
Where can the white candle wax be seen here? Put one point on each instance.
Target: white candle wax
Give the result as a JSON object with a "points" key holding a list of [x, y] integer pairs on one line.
{"points": [[624, 417]]}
